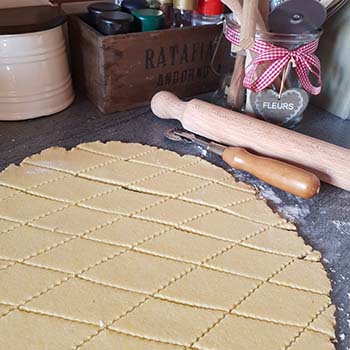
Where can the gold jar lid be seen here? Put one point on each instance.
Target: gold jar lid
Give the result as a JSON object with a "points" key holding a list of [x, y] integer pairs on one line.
{"points": [[165, 2], [189, 5]]}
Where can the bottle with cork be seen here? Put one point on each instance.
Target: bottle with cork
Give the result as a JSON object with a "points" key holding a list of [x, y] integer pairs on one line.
{"points": [[183, 10]]}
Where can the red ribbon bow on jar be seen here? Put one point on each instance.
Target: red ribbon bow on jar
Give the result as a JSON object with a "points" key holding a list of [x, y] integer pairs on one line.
{"points": [[303, 60]]}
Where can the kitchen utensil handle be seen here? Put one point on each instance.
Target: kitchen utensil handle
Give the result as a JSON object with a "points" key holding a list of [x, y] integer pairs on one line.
{"points": [[329, 162], [284, 176], [248, 24]]}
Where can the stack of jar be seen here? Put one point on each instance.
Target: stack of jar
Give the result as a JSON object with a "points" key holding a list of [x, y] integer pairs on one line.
{"points": [[145, 15]]}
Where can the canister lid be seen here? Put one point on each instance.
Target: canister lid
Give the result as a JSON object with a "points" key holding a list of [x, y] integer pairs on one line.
{"points": [[99, 7], [187, 5], [165, 2], [116, 16], [30, 19], [130, 5]]}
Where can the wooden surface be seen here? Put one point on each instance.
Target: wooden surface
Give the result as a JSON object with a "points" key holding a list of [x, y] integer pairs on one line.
{"points": [[324, 221], [124, 71], [329, 162]]}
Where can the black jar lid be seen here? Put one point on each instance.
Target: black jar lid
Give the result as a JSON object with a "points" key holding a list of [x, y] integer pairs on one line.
{"points": [[30, 19], [116, 17], [130, 5], [99, 7]]}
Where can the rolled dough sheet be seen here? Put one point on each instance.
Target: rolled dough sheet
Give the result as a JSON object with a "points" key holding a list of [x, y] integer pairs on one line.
{"points": [[124, 246]]}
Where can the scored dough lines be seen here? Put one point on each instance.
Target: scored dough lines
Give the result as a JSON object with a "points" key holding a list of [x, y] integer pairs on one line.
{"points": [[118, 217], [89, 231], [174, 224], [136, 160]]}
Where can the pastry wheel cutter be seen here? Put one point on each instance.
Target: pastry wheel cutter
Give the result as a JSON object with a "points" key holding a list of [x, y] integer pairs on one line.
{"points": [[279, 174]]}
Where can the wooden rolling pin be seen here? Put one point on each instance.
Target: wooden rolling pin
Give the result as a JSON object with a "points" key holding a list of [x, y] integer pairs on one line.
{"points": [[330, 162]]}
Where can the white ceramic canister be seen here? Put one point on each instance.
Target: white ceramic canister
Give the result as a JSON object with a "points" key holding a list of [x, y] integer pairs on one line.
{"points": [[35, 78]]}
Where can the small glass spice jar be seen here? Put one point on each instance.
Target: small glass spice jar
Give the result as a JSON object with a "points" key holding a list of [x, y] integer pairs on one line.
{"points": [[183, 10], [286, 97], [208, 12]]}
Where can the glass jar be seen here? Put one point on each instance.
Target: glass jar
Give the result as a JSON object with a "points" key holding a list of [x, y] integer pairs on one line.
{"points": [[183, 10], [283, 102], [208, 12]]}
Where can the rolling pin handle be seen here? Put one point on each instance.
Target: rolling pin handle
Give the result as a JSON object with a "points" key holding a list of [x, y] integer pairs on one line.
{"points": [[166, 105], [282, 175]]}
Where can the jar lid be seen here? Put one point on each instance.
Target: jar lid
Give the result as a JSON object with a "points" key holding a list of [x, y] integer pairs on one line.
{"points": [[99, 7], [187, 5], [210, 7], [116, 16], [30, 19], [165, 2], [130, 5], [147, 14]]}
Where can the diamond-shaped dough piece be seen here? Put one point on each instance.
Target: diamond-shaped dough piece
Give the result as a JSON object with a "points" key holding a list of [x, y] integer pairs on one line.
{"points": [[167, 321], [290, 306], [223, 225], [312, 341], [122, 201], [72, 189], [233, 183], [74, 161], [136, 271], [280, 241], [224, 292], [88, 301], [127, 231], [257, 211], [325, 322], [206, 170], [305, 274], [121, 172], [117, 149], [168, 160], [28, 176], [66, 257], [183, 245], [25, 208], [174, 212], [172, 184], [249, 262], [34, 330], [236, 332], [21, 282], [75, 220], [209, 194], [23, 241]]}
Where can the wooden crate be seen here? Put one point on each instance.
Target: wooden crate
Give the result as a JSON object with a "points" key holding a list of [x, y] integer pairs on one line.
{"points": [[121, 72]]}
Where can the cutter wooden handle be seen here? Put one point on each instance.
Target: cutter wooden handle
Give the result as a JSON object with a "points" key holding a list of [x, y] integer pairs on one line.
{"points": [[284, 176], [330, 162]]}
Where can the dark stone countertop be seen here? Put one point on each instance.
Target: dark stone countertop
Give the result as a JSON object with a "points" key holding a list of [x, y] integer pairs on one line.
{"points": [[324, 222]]}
